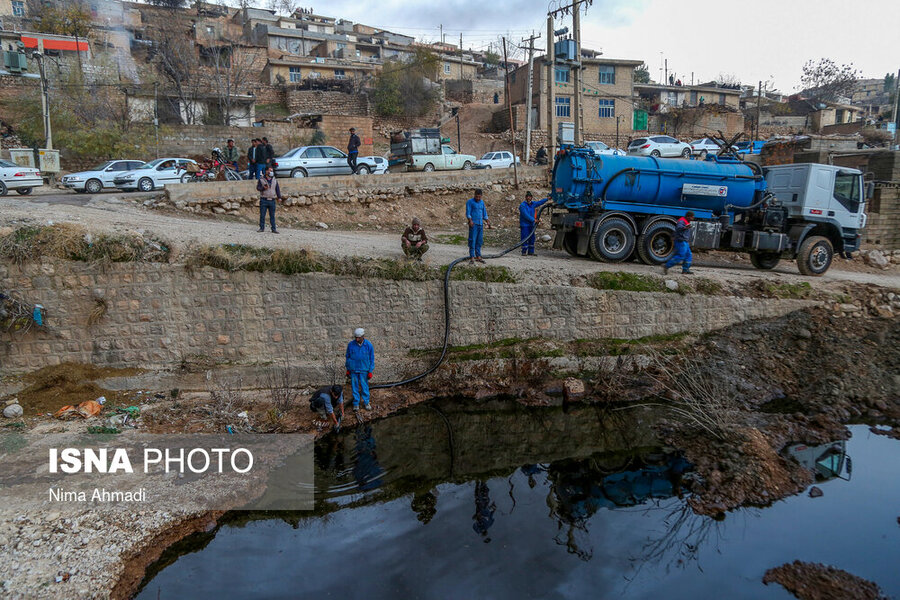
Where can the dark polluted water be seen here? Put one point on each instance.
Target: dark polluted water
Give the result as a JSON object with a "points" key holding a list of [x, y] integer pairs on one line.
{"points": [[453, 500]]}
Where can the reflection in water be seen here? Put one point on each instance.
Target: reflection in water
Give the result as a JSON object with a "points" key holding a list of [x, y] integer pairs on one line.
{"points": [[583, 504]]}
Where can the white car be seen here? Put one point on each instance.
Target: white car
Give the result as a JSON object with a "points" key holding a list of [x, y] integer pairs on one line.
{"points": [[21, 179], [705, 146], [601, 148], [496, 160], [314, 161], [153, 175], [659, 145], [100, 177]]}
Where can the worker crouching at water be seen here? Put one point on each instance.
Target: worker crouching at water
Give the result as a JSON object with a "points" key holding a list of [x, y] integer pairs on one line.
{"points": [[328, 402], [360, 365], [528, 223], [682, 245], [414, 241]]}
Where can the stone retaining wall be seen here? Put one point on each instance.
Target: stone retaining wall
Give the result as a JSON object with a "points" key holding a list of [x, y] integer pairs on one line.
{"points": [[229, 197], [159, 315]]}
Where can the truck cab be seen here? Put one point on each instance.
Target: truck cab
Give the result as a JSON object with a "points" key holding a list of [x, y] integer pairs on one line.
{"points": [[825, 200]]}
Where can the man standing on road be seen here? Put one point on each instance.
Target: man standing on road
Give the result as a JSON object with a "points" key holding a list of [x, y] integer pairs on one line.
{"points": [[360, 364], [252, 159], [268, 153], [269, 192], [476, 214], [328, 402], [231, 155], [353, 150], [528, 223], [682, 246], [414, 241]]}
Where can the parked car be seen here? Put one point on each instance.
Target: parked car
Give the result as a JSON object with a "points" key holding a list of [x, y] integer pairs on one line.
{"points": [[659, 145], [153, 175], [496, 160], [754, 147], [705, 146], [21, 179], [601, 148], [315, 161], [100, 177], [448, 160]]}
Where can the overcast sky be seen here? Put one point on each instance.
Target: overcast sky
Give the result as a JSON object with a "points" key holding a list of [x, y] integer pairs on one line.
{"points": [[756, 39]]}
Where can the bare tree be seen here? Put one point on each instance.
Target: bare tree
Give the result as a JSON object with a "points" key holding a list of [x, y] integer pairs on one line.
{"points": [[232, 69], [178, 63], [825, 80]]}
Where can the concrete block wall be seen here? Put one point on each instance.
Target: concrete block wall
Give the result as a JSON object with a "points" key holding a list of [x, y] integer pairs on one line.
{"points": [[883, 228], [161, 314], [337, 131], [327, 103]]}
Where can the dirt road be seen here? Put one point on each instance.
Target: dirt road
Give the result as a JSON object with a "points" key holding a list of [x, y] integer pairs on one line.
{"points": [[111, 212]]}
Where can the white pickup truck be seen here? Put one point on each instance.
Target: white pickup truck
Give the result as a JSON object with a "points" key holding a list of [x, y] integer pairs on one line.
{"points": [[423, 150]]}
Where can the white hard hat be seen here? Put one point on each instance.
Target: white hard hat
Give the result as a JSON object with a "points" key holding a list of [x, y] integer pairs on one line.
{"points": [[359, 332]]}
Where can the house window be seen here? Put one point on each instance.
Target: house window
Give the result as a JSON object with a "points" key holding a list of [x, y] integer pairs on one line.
{"points": [[18, 8], [722, 99], [446, 68], [341, 45], [607, 74], [563, 107], [693, 97], [339, 74], [607, 109], [562, 74], [210, 30], [295, 75]]}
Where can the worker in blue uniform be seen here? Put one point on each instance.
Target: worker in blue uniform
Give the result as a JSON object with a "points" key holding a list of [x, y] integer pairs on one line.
{"points": [[528, 223], [682, 245], [477, 217], [360, 364]]}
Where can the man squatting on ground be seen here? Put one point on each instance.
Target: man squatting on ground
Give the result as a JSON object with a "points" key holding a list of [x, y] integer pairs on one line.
{"points": [[360, 364], [414, 240], [527, 222], [682, 245], [476, 214], [328, 402], [269, 191]]}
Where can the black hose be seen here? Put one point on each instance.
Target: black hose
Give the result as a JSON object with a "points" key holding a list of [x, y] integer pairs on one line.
{"points": [[444, 348]]}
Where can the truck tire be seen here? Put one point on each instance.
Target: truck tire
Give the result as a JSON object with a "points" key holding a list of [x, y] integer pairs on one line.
{"points": [[657, 243], [428, 168], [467, 165], [815, 255], [570, 243], [612, 241], [765, 261]]}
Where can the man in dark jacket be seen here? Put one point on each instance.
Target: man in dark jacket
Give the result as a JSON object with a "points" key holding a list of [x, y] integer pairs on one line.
{"points": [[253, 156], [353, 149], [230, 155], [269, 154], [414, 241], [682, 245]]}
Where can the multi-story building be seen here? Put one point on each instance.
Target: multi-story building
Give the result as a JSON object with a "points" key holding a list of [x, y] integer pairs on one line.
{"points": [[607, 92]]}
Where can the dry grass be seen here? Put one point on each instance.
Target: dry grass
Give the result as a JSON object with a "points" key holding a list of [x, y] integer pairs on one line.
{"points": [[72, 242]]}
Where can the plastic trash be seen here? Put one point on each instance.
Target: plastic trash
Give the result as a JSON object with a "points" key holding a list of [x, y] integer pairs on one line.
{"points": [[36, 315], [101, 400]]}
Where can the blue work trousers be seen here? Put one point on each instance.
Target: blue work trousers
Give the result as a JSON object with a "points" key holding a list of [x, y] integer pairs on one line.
{"points": [[476, 238], [682, 255], [266, 206], [360, 384], [528, 238]]}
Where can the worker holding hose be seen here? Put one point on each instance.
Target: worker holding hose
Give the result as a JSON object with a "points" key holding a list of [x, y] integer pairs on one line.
{"points": [[528, 223], [360, 364], [476, 214]]}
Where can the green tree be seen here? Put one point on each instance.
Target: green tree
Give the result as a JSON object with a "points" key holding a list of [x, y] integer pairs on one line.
{"points": [[407, 89], [491, 59], [642, 74], [889, 82]]}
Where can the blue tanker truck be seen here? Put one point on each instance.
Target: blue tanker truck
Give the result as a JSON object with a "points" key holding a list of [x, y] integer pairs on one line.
{"points": [[617, 207]]}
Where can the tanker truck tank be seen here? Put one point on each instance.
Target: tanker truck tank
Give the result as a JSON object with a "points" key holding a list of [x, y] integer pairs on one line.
{"points": [[583, 180]]}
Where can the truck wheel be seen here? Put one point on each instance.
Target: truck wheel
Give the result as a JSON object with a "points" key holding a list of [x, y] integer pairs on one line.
{"points": [[467, 166], [765, 260], [570, 243], [814, 256], [613, 241], [656, 244], [428, 168]]}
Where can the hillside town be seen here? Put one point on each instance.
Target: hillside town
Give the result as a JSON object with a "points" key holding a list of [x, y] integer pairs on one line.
{"points": [[449, 300]]}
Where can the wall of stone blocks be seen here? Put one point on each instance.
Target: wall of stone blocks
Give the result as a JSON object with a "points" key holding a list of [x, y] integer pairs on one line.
{"points": [[160, 315], [883, 227], [327, 103]]}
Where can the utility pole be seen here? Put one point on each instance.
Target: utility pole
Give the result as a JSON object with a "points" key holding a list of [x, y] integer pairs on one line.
{"points": [[551, 100], [460, 55], [38, 55], [512, 129], [579, 117], [529, 95], [897, 108], [156, 113], [758, 101], [666, 80], [617, 130]]}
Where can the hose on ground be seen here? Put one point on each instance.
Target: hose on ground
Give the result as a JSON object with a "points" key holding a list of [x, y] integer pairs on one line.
{"points": [[446, 344]]}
